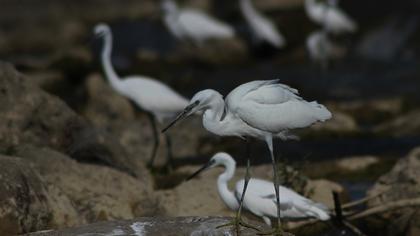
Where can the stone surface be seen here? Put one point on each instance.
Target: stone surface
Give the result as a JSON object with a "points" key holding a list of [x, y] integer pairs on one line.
{"points": [[194, 226], [95, 192], [23, 198], [357, 163], [404, 125], [32, 116], [402, 182]]}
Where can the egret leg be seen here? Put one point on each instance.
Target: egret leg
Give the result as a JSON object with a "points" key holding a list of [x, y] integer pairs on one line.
{"points": [[169, 155], [277, 230], [156, 140], [238, 220]]}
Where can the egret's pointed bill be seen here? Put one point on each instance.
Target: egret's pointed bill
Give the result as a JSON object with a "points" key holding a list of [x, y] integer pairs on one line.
{"points": [[205, 167], [181, 116]]}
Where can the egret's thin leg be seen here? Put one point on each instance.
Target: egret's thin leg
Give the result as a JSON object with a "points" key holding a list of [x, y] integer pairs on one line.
{"points": [[156, 139], [169, 155]]}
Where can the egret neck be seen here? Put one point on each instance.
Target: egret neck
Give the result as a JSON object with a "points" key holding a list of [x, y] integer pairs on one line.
{"points": [[212, 117], [228, 196], [106, 61]]}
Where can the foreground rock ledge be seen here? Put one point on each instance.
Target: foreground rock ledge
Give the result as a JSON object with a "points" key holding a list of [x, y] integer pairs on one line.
{"points": [[150, 226]]}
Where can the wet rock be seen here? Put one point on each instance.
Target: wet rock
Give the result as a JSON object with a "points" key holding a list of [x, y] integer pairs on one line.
{"points": [[96, 192], [402, 182], [23, 198], [404, 125], [157, 226]]}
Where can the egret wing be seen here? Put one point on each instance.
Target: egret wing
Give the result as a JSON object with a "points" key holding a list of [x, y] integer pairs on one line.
{"points": [[196, 22], [338, 19]]}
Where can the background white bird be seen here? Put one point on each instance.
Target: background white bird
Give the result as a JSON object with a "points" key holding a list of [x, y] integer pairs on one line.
{"points": [[330, 16], [192, 24], [321, 49], [154, 97], [263, 109], [262, 29], [260, 198]]}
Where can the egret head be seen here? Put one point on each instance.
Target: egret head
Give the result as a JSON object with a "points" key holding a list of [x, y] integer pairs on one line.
{"points": [[201, 101], [218, 159], [101, 30]]}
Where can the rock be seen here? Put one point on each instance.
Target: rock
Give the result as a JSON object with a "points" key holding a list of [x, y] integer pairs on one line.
{"points": [[340, 123], [96, 192], [404, 125], [31, 116], [23, 198], [155, 226], [402, 182], [357, 163]]}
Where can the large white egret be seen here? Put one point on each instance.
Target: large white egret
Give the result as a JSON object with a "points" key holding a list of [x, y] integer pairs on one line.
{"points": [[262, 29], [194, 25], [263, 109], [157, 99], [260, 197], [331, 17]]}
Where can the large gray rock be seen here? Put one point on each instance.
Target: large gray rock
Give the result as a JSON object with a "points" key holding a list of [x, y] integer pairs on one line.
{"points": [[402, 182], [404, 125], [154, 226]]}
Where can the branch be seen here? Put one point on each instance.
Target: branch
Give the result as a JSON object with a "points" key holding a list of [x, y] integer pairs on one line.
{"points": [[363, 200], [386, 207]]}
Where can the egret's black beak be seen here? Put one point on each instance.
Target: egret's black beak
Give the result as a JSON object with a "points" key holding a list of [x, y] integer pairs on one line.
{"points": [[182, 115], [205, 167]]}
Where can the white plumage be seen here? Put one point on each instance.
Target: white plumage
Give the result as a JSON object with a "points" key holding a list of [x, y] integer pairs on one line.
{"points": [[331, 17], [260, 196], [263, 109], [261, 27], [191, 24], [149, 94]]}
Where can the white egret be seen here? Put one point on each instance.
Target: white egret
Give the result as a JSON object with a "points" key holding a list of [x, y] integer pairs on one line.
{"points": [[260, 197], [192, 24], [152, 96], [263, 30], [321, 49], [330, 16], [263, 109]]}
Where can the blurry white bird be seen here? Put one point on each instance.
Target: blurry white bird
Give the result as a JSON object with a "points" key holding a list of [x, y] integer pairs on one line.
{"points": [[260, 198], [331, 17], [191, 24], [321, 49], [263, 109], [154, 97], [263, 30]]}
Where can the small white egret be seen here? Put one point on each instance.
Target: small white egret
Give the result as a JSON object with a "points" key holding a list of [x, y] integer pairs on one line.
{"points": [[260, 197], [152, 96], [263, 30], [321, 49], [330, 16], [192, 24], [263, 109]]}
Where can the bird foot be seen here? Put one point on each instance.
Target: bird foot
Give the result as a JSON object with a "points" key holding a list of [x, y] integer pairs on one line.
{"points": [[237, 223]]}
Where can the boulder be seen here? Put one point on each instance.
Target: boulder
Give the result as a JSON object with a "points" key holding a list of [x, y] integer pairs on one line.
{"points": [[402, 182], [96, 192], [31, 116], [193, 226], [23, 198]]}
